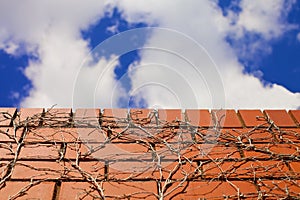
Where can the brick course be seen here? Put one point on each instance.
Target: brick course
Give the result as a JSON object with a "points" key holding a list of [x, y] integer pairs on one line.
{"points": [[149, 154]]}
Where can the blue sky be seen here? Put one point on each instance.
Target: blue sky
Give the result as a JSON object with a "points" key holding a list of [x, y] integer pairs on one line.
{"points": [[282, 65], [275, 60]]}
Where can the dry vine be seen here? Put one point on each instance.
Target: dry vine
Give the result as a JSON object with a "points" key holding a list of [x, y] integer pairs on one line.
{"points": [[181, 159]]}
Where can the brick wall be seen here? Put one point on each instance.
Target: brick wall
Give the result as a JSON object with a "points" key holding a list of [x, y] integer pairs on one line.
{"points": [[149, 154]]}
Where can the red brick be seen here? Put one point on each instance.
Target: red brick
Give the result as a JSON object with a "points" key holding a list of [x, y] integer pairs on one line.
{"points": [[26, 170], [169, 152], [217, 135], [111, 190], [78, 190], [177, 136], [137, 151], [150, 135], [263, 169], [54, 134], [125, 170], [172, 136], [4, 166], [114, 117], [252, 118], [82, 170], [177, 171], [8, 134], [117, 113], [200, 152], [172, 148], [245, 169], [73, 170], [151, 170], [87, 117], [59, 134], [108, 151], [130, 190], [170, 115], [223, 135], [30, 116], [285, 149], [226, 118], [217, 169], [291, 135], [93, 168], [77, 149], [270, 150], [278, 188], [40, 151], [199, 117], [256, 136], [8, 150], [257, 151], [141, 116], [59, 112], [280, 118], [295, 168], [6, 116], [296, 115], [58, 117], [211, 151], [130, 134], [31, 190], [91, 135], [211, 190]]}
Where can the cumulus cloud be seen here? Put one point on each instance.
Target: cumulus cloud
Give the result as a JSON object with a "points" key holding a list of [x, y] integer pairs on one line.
{"points": [[65, 74], [61, 72], [204, 22], [267, 18], [174, 73], [298, 37], [258, 23]]}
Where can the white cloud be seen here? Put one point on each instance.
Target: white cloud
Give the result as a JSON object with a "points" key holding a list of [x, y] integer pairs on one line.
{"points": [[62, 77], [31, 20], [264, 17], [51, 30], [114, 28], [258, 23], [10, 48], [204, 22], [298, 37], [15, 95]]}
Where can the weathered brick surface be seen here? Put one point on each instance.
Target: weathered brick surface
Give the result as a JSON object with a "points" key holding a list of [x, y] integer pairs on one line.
{"points": [[199, 117], [149, 154], [58, 117], [30, 116], [6, 116], [253, 118], [280, 118], [28, 190], [295, 115]]}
